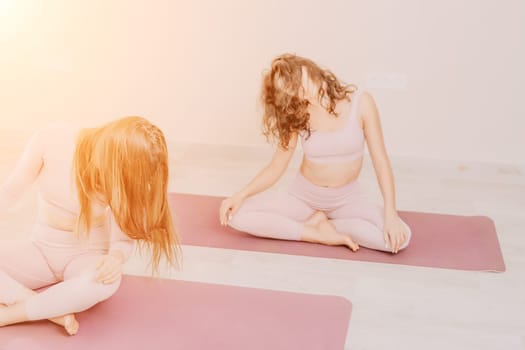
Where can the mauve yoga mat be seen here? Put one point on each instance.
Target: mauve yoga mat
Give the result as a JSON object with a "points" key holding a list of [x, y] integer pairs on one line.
{"points": [[442, 241], [158, 314]]}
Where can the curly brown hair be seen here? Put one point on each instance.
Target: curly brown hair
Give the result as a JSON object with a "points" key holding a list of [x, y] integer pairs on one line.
{"points": [[282, 96]]}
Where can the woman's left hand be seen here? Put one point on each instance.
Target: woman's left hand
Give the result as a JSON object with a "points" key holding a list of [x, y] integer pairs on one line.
{"points": [[395, 232], [109, 268]]}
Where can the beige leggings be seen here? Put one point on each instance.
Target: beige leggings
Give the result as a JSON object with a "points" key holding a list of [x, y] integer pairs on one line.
{"points": [[58, 260], [282, 215]]}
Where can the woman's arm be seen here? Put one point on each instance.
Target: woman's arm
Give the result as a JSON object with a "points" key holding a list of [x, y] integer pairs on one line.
{"points": [[269, 175], [120, 244], [110, 266], [24, 174], [266, 178], [376, 146], [395, 232]]}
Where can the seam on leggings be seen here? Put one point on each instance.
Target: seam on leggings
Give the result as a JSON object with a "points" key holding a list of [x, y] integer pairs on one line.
{"points": [[83, 254], [30, 275], [46, 260]]}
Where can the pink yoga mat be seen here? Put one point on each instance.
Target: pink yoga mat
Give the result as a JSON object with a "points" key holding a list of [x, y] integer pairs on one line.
{"points": [[158, 314], [442, 241]]}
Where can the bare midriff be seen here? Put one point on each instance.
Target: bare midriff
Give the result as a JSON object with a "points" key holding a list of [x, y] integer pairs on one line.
{"points": [[331, 174]]}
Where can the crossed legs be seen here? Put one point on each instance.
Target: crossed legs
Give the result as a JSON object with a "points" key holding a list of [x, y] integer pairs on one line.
{"points": [[354, 222], [23, 268]]}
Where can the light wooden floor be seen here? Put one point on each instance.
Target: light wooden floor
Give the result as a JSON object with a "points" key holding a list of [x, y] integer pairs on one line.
{"points": [[395, 307]]}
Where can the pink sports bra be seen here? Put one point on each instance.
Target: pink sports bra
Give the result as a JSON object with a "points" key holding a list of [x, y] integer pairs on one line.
{"points": [[338, 146]]}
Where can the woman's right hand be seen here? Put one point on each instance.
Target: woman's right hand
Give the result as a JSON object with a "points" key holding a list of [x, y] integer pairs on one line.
{"points": [[109, 267], [228, 207]]}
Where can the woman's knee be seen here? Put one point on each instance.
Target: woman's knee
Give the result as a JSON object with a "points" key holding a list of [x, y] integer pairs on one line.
{"points": [[237, 220], [103, 291], [408, 237], [10, 290], [97, 291], [84, 271]]}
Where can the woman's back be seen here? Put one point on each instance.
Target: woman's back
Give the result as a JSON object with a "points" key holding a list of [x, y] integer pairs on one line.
{"points": [[58, 204]]}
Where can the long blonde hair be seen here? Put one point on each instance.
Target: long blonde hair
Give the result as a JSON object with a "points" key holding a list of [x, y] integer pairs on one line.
{"points": [[285, 108], [124, 164]]}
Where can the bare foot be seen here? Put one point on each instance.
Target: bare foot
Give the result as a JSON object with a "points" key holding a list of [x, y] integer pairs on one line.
{"points": [[69, 322], [332, 237], [326, 233]]}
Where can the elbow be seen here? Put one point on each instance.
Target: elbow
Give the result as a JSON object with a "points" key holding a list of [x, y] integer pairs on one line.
{"points": [[124, 248], [276, 171]]}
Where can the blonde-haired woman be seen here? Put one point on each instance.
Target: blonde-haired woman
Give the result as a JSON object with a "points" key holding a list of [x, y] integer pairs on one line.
{"points": [[324, 204], [99, 191]]}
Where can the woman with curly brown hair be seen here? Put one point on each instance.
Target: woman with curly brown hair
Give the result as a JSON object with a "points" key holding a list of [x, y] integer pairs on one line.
{"points": [[324, 204], [100, 190]]}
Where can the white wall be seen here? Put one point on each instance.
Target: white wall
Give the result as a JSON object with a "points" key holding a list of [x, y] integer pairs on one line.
{"points": [[454, 67]]}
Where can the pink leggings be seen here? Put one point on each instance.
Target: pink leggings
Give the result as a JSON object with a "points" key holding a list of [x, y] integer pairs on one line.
{"points": [[57, 259], [282, 215]]}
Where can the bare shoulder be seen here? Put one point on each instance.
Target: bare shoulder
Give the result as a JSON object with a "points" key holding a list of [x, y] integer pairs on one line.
{"points": [[368, 107], [367, 101]]}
